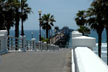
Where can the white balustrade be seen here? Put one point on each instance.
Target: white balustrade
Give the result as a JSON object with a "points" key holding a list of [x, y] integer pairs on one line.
{"points": [[87, 61]]}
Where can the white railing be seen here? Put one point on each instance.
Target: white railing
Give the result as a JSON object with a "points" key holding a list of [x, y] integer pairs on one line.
{"points": [[16, 43], [45, 46], [85, 60], [24, 45]]}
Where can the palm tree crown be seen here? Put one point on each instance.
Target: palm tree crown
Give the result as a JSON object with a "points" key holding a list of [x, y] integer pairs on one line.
{"points": [[47, 22], [80, 19]]}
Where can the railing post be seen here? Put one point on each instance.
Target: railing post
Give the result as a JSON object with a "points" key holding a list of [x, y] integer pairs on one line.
{"points": [[33, 44], [11, 43], [27, 45], [44, 45], [23, 38], [30, 45], [0, 45]]}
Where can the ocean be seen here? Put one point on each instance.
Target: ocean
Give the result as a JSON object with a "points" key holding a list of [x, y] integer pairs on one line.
{"points": [[28, 34], [104, 45]]}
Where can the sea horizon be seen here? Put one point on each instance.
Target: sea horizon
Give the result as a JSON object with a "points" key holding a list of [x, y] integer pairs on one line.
{"points": [[28, 34]]}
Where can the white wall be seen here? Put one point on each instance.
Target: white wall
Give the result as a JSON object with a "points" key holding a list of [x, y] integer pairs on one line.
{"points": [[76, 34], [83, 41], [88, 61], [3, 41]]}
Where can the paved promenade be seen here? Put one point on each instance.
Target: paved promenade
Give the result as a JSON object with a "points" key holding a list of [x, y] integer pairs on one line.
{"points": [[46, 61]]}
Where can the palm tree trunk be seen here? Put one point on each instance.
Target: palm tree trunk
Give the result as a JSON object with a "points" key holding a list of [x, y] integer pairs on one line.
{"points": [[83, 34], [107, 43], [99, 43], [16, 29], [8, 30], [22, 28], [46, 33]]}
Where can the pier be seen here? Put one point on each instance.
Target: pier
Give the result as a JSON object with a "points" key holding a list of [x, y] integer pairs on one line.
{"points": [[43, 57], [61, 38], [45, 61]]}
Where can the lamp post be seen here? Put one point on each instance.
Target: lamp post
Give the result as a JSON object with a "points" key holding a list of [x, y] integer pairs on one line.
{"points": [[40, 24]]}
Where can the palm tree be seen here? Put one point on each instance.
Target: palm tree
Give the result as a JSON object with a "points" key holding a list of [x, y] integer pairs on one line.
{"points": [[93, 18], [2, 16], [47, 22], [16, 8], [81, 22], [17, 19], [9, 16], [84, 30], [17, 5], [95, 21], [80, 19], [105, 14], [25, 10], [6, 15]]}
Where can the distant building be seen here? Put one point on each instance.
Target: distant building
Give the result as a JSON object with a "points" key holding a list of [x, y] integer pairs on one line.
{"points": [[65, 30]]}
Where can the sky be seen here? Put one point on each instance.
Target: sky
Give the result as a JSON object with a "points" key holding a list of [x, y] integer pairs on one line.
{"points": [[64, 12]]}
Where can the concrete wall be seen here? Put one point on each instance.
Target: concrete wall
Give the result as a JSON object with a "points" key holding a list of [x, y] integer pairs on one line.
{"points": [[3, 41], [83, 58], [83, 41], [76, 34], [87, 61]]}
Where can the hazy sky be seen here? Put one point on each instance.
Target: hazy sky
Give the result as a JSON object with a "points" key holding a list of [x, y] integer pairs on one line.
{"points": [[63, 10]]}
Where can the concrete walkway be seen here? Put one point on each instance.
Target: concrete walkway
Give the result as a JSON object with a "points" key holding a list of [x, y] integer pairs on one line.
{"points": [[46, 61]]}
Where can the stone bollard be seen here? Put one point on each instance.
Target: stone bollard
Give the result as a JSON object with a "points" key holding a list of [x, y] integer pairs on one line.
{"points": [[48, 47], [57, 47], [33, 44], [40, 45], [83, 41], [45, 46], [52, 46], [23, 49]]}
